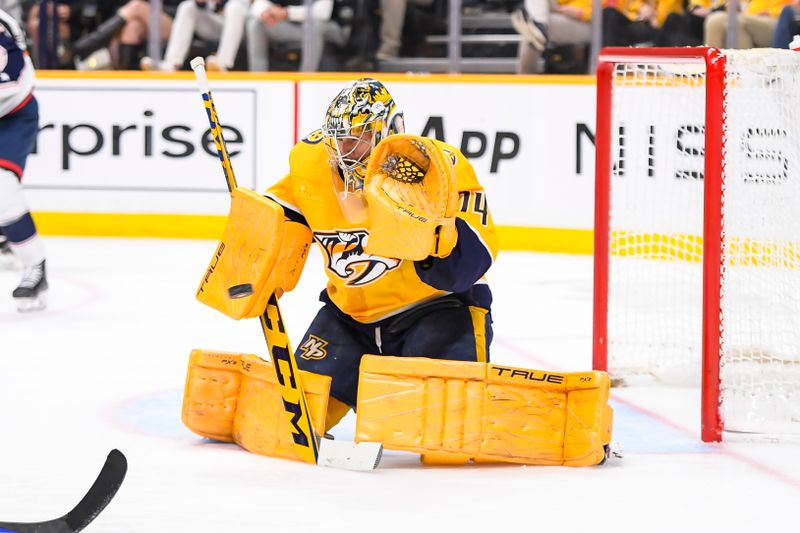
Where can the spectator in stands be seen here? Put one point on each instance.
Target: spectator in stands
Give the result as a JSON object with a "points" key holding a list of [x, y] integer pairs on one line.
{"points": [[756, 25], [125, 33], [540, 23], [281, 21], [221, 22], [68, 14], [787, 26], [77, 18], [636, 22], [686, 29], [393, 15]]}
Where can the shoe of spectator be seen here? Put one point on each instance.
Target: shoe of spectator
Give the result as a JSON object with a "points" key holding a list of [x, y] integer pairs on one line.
{"points": [[97, 60], [213, 65], [360, 63], [531, 30], [147, 64], [386, 54]]}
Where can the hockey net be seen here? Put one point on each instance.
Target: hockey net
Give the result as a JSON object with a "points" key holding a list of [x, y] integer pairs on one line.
{"points": [[697, 250]]}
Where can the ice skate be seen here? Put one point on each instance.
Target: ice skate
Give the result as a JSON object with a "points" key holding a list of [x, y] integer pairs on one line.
{"points": [[31, 293]]}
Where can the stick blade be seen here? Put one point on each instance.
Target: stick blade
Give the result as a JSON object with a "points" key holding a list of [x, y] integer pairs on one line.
{"points": [[348, 455], [51, 526], [103, 490], [100, 494]]}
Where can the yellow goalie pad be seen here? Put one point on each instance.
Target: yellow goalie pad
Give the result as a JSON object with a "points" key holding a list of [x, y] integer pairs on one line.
{"points": [[453, 411], [235, 397], [412, 198], [259, 254]]}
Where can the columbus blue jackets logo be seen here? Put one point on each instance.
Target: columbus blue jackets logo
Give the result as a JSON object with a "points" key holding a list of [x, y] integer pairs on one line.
{"points": [[344, 251]]}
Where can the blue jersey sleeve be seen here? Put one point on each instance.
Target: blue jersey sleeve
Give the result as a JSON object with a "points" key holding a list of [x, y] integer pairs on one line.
{"points": [[459, 271]]}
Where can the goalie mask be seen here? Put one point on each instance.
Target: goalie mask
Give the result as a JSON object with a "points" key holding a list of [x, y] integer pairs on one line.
{"points": [[360, 116]]}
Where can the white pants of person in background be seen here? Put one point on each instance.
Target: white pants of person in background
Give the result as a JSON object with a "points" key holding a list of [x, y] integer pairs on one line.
{"points": [[755, 31], [393, 15], [562, 30], [562, 24], [270, 22], [226, 27]]}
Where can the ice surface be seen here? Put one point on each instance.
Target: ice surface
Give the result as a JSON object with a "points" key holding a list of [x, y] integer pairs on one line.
{"points": [[104, 367]]}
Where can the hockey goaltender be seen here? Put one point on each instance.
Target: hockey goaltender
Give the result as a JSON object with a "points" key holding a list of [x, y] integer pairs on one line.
{"points": [[404, 331]]}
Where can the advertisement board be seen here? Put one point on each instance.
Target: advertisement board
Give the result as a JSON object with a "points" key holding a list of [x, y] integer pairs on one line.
{"points": [[141, 145]]}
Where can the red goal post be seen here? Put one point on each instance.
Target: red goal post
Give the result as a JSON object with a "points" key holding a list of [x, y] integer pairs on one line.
{"points": [[664, 117]]}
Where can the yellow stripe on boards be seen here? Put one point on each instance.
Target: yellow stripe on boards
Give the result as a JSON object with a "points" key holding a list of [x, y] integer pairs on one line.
{"points": [[649, 245], [556, 240], [212, 227], [741, 251]]}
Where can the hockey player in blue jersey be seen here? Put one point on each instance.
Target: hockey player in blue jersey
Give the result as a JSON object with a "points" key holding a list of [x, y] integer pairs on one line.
{"points": [[19, 124]]}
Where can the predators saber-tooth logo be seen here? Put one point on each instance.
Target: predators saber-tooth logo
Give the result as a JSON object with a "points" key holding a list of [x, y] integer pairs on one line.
{"points": [[346, 258], [313, 348]]}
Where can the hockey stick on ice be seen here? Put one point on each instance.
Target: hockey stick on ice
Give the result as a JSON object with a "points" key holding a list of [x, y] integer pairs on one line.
{"points": [[307, 444], [100, 494], [294, 401]]}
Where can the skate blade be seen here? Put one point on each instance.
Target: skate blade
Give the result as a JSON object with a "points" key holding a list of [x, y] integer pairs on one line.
{"points": [[27, 305]]}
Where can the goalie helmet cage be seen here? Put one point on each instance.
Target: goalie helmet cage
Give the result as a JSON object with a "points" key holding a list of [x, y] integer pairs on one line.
{"points": [[697, 229]]}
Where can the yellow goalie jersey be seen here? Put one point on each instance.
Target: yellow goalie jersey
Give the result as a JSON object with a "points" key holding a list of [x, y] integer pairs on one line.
{"points": [[370, 288]]}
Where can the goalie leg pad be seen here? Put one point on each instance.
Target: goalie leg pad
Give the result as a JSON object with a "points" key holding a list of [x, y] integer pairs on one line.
{"points": [[211, 394], [452, 412], [259, 254], [236, 398]]}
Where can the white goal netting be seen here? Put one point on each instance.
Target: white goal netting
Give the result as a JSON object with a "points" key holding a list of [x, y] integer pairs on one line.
{"points": [[655, 289]]}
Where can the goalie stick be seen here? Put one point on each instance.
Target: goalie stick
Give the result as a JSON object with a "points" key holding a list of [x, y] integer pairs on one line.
{"points": [[100, 494], [307, 444]]}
